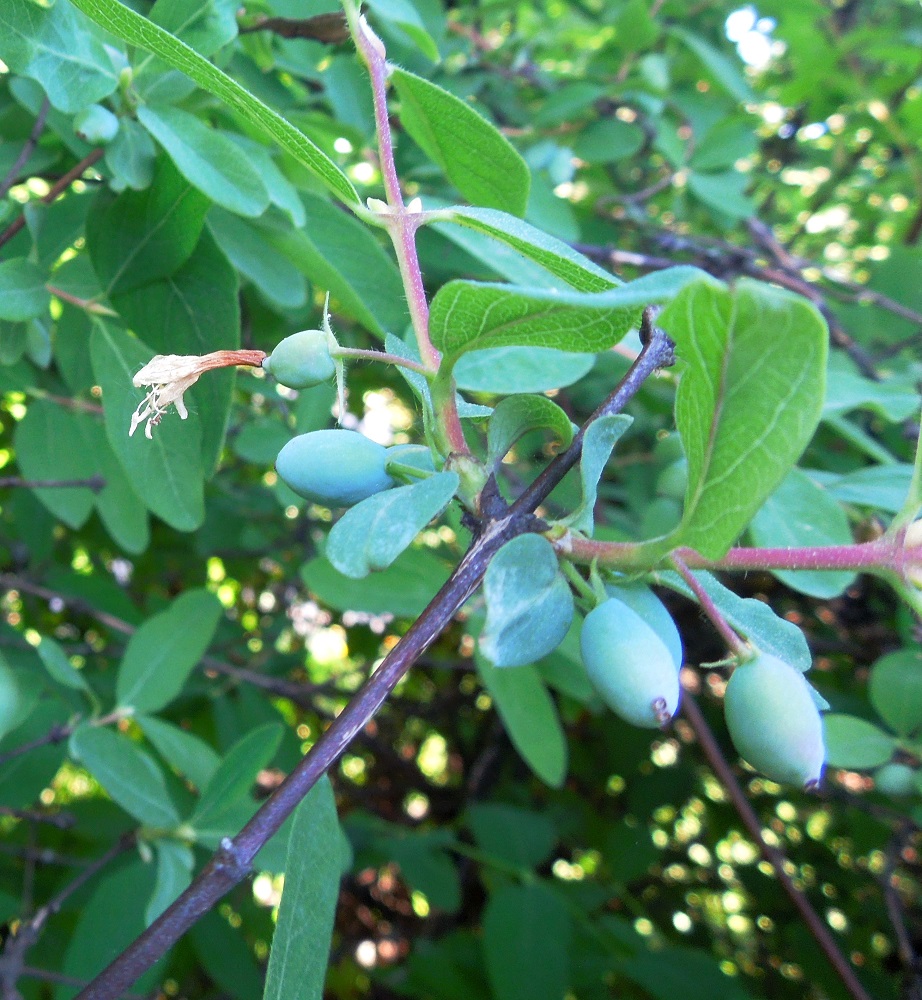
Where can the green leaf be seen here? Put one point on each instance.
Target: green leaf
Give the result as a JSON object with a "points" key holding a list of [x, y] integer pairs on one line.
{"points": [[403, 15], [802, 514], [120, 508], [884, 487], [58, 665], [166, 471], [22, 290], [207, 159], [507, 370], [518, 836], [164, 650], [175, 862], [373, 533], [481, 163], [231, 782], [529, 603], [22, 778], [753, 619], [471, 315], [556, 257], [195, 310], [527, 936], [204, 25], [686, 972], [530, 718], [404, 589], [340, 254], [137, 30], [57, 47], [139, 237], [106, 925], [748, 402], [598, 442], [855, 743], [426, 869], [256, 258], [225, 954], [608, 141], [191, 756], [128, 773], [723, 192], [896, 398], [721, 67], [895, 690], [517, 415], [14, 706], [301, 943], [51, 443], [131, 157]]}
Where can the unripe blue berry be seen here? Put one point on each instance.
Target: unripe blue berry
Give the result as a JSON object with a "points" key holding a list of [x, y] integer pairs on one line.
{"points": [[629, 665], [774, 722], [302, 360], [335, 468]]}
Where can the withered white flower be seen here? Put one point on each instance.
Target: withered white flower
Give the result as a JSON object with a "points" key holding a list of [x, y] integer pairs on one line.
{"points": [[170, 375]]}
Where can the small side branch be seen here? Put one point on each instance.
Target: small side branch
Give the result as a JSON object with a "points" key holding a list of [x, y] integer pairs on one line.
{"points": [[814, 924]]}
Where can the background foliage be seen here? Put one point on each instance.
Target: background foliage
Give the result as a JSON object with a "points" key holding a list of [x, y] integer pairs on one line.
{"points": [[172, 637]]}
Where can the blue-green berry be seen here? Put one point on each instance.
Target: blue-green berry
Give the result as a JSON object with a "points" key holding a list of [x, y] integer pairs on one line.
{"points": [[335, 468]]}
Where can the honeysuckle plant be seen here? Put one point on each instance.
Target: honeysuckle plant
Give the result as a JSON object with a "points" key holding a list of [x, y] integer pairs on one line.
{"points": [[514, 455]]}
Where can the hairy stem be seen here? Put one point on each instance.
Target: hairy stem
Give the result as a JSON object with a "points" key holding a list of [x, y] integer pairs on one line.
{"points": [[883, 553], [401, 225], [733, 641], [383, 357]]}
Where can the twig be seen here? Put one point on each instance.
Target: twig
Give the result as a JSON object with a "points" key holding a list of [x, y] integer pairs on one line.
{"points": [[328, 28], [904, 946], [28, 146], [94, 483], [231, 864], [62, 820], [60, 185], [298, 692], [16, 945], [772, 855], [57, 734]]}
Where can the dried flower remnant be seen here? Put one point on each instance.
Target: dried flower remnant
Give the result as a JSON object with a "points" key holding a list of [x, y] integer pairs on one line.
{"points": [[170, 375]]}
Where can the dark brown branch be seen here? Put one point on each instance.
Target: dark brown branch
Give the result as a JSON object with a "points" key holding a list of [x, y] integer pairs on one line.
{"points": [[28, 146], [724, 774], [231, 864], [327, 28]]}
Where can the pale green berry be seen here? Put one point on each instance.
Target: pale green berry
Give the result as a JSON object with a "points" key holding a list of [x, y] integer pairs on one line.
{"points": [[774, 722], [630, 665], [302, 360], [638, 597]]}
